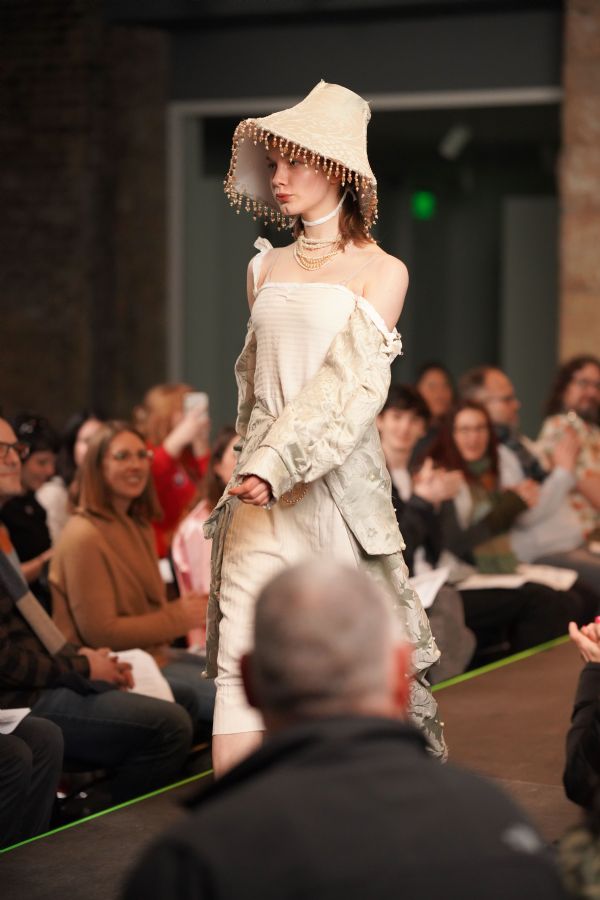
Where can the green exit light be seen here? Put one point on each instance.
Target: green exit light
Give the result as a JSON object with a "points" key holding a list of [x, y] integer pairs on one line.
{"points": [[423, 205]]}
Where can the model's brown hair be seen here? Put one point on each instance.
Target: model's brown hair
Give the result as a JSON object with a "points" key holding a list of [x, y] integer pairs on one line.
{"points": [[154, 417], [94, 494]]}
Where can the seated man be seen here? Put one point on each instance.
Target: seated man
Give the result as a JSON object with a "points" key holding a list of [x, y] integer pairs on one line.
{"points": [[144, 740], [575, 404], [30, 765], [23, 515], [342, 800], [552, 531]]}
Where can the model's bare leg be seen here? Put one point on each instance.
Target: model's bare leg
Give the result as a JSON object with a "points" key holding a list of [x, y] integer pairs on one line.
{"points": [[230, 749]]}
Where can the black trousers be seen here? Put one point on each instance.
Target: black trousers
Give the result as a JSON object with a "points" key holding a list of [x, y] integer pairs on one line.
{"points": [[524, 616], [30, 766]]}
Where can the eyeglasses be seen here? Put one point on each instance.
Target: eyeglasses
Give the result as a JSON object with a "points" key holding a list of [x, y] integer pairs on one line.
{"points": [[502, 398], [125, 456], [587, 383], [471, 429], [22, 450]]}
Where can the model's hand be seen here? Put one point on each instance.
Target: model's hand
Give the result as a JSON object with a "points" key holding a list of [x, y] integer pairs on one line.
{"points": [[253, 490], [587, 640], [567, 450], [104, 667], [528, 491]]}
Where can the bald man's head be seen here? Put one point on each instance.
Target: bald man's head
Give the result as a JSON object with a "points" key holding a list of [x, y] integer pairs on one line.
{"points": [[326, 643]]}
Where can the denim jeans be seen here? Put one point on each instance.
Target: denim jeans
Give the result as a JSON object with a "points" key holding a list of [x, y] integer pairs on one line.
{"points": [[191, 689], [30, 766], [144, 741]]}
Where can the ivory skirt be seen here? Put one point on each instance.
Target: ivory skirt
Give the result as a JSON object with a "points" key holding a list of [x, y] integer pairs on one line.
{"points": [[258, 545]]}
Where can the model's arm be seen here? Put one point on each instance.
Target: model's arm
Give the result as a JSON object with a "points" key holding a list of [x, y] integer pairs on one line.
{"points": [[86, 589]]}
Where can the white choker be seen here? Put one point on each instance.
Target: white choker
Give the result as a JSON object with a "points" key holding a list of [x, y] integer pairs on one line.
{"points": [[330, 215]]}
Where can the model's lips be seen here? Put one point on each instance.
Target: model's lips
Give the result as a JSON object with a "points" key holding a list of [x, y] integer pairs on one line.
{"points": [[283, 198]]}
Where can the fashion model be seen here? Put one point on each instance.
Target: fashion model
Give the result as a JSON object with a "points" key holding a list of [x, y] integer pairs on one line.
{"points": [[313, 375]]}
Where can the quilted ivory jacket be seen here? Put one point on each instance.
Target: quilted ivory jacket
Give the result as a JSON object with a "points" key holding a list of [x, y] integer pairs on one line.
{"points": [[328, 431]]}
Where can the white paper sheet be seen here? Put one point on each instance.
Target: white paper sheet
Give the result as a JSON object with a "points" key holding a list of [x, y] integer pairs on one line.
{"points": [[10, 718], [428, 584], [147, 677], [552, 576], [478, 582]]}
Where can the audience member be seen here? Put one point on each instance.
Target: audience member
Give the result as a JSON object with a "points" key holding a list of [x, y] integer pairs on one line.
{"points": [[476, 528], [401, 423], [551, 533], [579, 850], [30, 765], [434, 383], [23, 515], [575, 404], [145, 741], [59, 496], [106, 585], [342, 801], [179, 439], [191, 550]]}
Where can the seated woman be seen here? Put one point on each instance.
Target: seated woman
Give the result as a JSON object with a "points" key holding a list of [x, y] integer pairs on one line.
{"points": [[476, 526], [106, 586], [178, 438], [191, 550], [59, 495]]}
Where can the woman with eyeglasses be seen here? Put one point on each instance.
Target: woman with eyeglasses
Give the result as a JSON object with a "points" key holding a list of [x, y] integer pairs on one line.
{"points": [[476, 530], [106, 585]]}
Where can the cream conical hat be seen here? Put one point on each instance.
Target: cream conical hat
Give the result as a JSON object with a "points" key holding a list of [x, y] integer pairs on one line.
{"points": [[327, 130]]}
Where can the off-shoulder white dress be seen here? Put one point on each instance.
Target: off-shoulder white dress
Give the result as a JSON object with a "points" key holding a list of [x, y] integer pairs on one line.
{"points": [[294, 324]]}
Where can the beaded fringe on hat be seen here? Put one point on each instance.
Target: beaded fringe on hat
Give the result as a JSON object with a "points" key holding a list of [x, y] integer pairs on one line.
{"points": [[249, 130]]}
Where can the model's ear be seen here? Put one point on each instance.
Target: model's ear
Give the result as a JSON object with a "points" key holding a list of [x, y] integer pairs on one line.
{"points": [[401, 679], [246, 670]]}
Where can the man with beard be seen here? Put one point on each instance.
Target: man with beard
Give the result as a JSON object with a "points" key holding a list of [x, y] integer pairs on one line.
{"points": [[575, 403]]}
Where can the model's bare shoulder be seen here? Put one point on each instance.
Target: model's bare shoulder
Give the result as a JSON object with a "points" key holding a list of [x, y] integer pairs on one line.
{"points": [[268, 260], [386, 287]]}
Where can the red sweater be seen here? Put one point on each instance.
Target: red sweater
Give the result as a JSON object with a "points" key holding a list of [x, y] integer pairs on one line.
{"points": [[176, 482]]}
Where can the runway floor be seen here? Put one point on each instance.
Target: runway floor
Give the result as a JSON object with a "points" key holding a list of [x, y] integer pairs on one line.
{"points": [[507, 723]]}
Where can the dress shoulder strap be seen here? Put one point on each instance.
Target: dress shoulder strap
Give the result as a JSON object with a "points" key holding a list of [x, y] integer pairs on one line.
{"points": [[263, 246], [359, 270]]}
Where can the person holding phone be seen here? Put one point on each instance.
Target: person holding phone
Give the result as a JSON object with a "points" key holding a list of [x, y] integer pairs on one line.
{"points": [[310, 477], [175, 421]]}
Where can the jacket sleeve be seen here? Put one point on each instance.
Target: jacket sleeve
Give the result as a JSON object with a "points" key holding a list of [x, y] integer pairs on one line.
{"points": [[86, 588], [319, 429], [582, 770], [245, 367]]}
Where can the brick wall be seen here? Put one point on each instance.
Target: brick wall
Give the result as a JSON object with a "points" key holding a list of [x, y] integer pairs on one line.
{"points": [[580, 182], [82, 230]]}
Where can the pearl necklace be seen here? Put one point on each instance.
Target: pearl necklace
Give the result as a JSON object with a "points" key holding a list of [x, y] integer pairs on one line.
{"points": [[306, 248]]}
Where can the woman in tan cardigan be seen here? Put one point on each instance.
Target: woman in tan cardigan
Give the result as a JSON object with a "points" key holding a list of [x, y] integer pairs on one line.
{"points": [[106, 586]]}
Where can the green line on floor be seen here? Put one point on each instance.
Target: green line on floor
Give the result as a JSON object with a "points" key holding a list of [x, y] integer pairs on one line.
{"points": [[111, 809], [507, 661]]}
